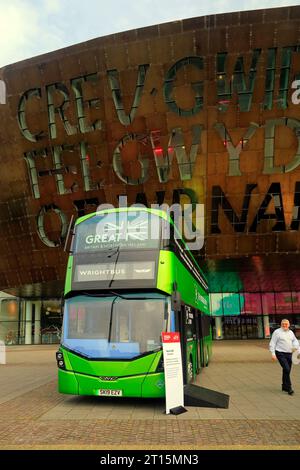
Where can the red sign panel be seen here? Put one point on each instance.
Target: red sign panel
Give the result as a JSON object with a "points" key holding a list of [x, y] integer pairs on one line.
{"points": [[171, 337]]}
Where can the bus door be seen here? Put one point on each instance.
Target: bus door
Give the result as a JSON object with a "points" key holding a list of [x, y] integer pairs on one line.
{"points": [[189, 352], [185, 320], [180, 325]]}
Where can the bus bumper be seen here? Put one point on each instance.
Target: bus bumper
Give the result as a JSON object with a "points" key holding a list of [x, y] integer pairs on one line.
{"points": [[67, 382], [145, 386]]}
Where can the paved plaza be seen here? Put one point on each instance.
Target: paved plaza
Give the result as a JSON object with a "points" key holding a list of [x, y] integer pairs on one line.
{"points": [[260, 416]]}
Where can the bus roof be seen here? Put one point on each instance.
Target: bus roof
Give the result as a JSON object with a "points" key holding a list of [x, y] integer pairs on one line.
{"points": [[158, 212]]}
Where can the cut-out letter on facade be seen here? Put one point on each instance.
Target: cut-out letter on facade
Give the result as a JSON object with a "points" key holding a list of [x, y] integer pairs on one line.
{"points": [[113, 78], [169, 84]]}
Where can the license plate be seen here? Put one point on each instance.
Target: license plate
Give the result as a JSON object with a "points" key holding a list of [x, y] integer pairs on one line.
{"points": [[110, 393]]}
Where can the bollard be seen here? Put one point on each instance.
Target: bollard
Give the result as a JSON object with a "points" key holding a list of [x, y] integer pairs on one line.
{"points": [[2, 352]]}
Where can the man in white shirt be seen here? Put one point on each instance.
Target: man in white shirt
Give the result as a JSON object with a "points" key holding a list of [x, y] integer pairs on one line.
{"points": [[282, 344]]}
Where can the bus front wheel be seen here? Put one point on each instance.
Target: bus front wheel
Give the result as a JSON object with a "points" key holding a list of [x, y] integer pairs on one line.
{"points": [[206, 357]]}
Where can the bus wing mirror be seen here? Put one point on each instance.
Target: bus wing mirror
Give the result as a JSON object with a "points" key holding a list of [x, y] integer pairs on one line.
{"points": [[176, 301], [62, 304]]}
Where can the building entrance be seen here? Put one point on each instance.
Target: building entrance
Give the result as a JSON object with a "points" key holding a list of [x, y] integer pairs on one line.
{"points": [[30, 321], [243, 327]]}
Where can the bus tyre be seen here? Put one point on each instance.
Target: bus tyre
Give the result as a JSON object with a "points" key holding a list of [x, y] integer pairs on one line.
{"points": [[206, 357], [190, 371]]}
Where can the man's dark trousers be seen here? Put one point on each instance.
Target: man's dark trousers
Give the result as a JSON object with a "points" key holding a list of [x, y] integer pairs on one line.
{"points": [[285, 360]]}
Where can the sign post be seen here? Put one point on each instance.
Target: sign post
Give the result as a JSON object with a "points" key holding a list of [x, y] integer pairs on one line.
{"points": [[2, 353], [173, 373]]}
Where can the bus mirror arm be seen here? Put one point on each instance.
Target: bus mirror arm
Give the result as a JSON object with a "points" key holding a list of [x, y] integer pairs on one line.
{"points": [[62, 303]]}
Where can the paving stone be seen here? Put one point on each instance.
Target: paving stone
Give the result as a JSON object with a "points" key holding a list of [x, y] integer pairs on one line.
{"points": [[258, 416]]}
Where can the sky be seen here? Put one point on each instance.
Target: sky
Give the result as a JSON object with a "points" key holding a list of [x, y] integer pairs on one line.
{"points": [[32, 27]]}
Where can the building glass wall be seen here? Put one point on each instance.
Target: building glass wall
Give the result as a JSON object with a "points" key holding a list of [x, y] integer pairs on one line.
{"points": [[244, 315], [30, 321], [249, 315], [9, 320]]}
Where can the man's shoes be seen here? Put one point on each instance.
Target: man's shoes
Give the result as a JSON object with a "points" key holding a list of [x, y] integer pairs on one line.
{"points": [[291, 392], [284, 389]]}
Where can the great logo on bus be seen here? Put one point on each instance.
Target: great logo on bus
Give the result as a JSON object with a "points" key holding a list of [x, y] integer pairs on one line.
{"points": [[118, 230]]}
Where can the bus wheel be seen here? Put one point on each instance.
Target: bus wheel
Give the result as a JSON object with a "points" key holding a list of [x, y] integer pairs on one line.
{"points": [[206, 357], [190, 371]]}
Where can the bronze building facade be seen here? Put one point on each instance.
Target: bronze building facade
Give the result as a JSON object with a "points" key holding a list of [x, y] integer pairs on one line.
{"points": [[204, 110]]}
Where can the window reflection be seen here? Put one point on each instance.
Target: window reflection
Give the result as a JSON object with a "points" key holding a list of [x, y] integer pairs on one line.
{"points": [[113, 327]]}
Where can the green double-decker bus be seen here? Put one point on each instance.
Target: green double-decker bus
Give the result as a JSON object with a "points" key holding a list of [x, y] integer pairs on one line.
{"points": [[129, 278]]}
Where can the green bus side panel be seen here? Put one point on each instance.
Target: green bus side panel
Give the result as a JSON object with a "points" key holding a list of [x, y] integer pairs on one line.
{"points": [[191, 291], [166, 271], [170, 269], [154, 386], [67, 382]]}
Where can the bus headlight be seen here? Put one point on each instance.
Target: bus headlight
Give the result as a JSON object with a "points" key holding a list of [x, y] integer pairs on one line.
{"points": [[60, 360]]}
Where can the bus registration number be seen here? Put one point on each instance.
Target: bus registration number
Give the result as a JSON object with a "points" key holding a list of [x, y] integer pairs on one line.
{"points": [[110, 393]]}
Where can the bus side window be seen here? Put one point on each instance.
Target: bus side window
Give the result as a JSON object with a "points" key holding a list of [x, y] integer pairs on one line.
{"points": [[190, 323]]}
